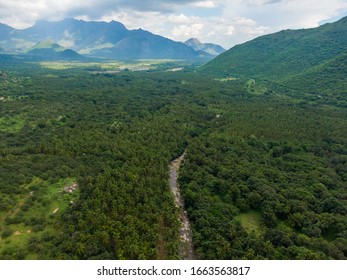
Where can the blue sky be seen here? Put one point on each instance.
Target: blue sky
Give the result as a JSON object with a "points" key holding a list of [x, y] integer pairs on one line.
{"points": [[226, 22]]}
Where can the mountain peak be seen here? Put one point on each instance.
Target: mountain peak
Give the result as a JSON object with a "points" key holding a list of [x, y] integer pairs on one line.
{"points": [[48, 44], [48, 50], [117, 23], [211, 49], [5, 30], [3, 25], [193, 41]]}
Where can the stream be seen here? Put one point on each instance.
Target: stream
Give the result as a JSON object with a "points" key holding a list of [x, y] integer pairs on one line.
{"points": [[186, 248]]}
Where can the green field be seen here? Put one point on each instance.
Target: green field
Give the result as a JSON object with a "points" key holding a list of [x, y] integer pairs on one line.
{"points": [[251, 221], [116, 66], [33, 216]]}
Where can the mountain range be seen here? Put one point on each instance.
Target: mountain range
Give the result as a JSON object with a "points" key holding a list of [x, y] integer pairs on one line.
{"points": [[97, 39]]}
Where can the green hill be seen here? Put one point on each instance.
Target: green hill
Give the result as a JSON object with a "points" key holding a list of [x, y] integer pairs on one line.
{"points": [[328, 78], [47, 44], [281, 55], [51, 51]]}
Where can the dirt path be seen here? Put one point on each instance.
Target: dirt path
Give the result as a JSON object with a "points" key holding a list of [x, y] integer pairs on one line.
{"points": [[186, 248]]}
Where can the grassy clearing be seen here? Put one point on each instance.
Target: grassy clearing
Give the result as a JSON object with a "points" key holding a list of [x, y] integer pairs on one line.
{"points": [[251, 221], [135, 65], [227, 79], [255, 88], [34, 215], [11, 124], [63, 65]]}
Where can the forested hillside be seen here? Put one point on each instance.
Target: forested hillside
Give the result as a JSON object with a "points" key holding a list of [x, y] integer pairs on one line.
{"points": [[283, 54], [327, 80]]}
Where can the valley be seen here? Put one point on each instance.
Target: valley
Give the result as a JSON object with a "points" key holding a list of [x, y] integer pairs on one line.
{"points": [[125, 159]]}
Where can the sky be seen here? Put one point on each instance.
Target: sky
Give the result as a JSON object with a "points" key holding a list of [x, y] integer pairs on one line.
{"points": [[224, 22]]}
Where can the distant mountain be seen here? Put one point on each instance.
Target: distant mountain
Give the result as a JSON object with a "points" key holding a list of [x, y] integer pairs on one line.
{"points": [[14, 40], [46, 45], [51, 51], [98, 39], [76, 34], [143, 44], [5, 31], [283, 54], [211, 49]]}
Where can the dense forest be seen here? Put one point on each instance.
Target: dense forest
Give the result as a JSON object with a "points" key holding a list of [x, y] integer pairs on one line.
{"points": [[269, 182], [84, 158]]}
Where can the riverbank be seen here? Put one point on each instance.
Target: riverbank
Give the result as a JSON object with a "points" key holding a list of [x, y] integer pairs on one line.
{"points": [[186, 248]]}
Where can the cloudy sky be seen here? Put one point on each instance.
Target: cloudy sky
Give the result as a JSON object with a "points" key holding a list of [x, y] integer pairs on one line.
{"points": [[226, 22]]}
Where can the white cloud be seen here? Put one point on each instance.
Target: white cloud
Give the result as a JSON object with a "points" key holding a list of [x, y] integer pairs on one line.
{"points": [[221, 21], [245, 21], [283, 14], [25, 12], [204, 4], [179, 19], [257, 31], [252, 18], [184, 30], [230, 30]]}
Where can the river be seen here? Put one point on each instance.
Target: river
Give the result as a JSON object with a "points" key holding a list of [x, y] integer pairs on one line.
{"points": [[186, 248]]}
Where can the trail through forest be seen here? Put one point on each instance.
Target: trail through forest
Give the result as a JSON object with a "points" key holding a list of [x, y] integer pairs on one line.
{"points": [[186, 248]]}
